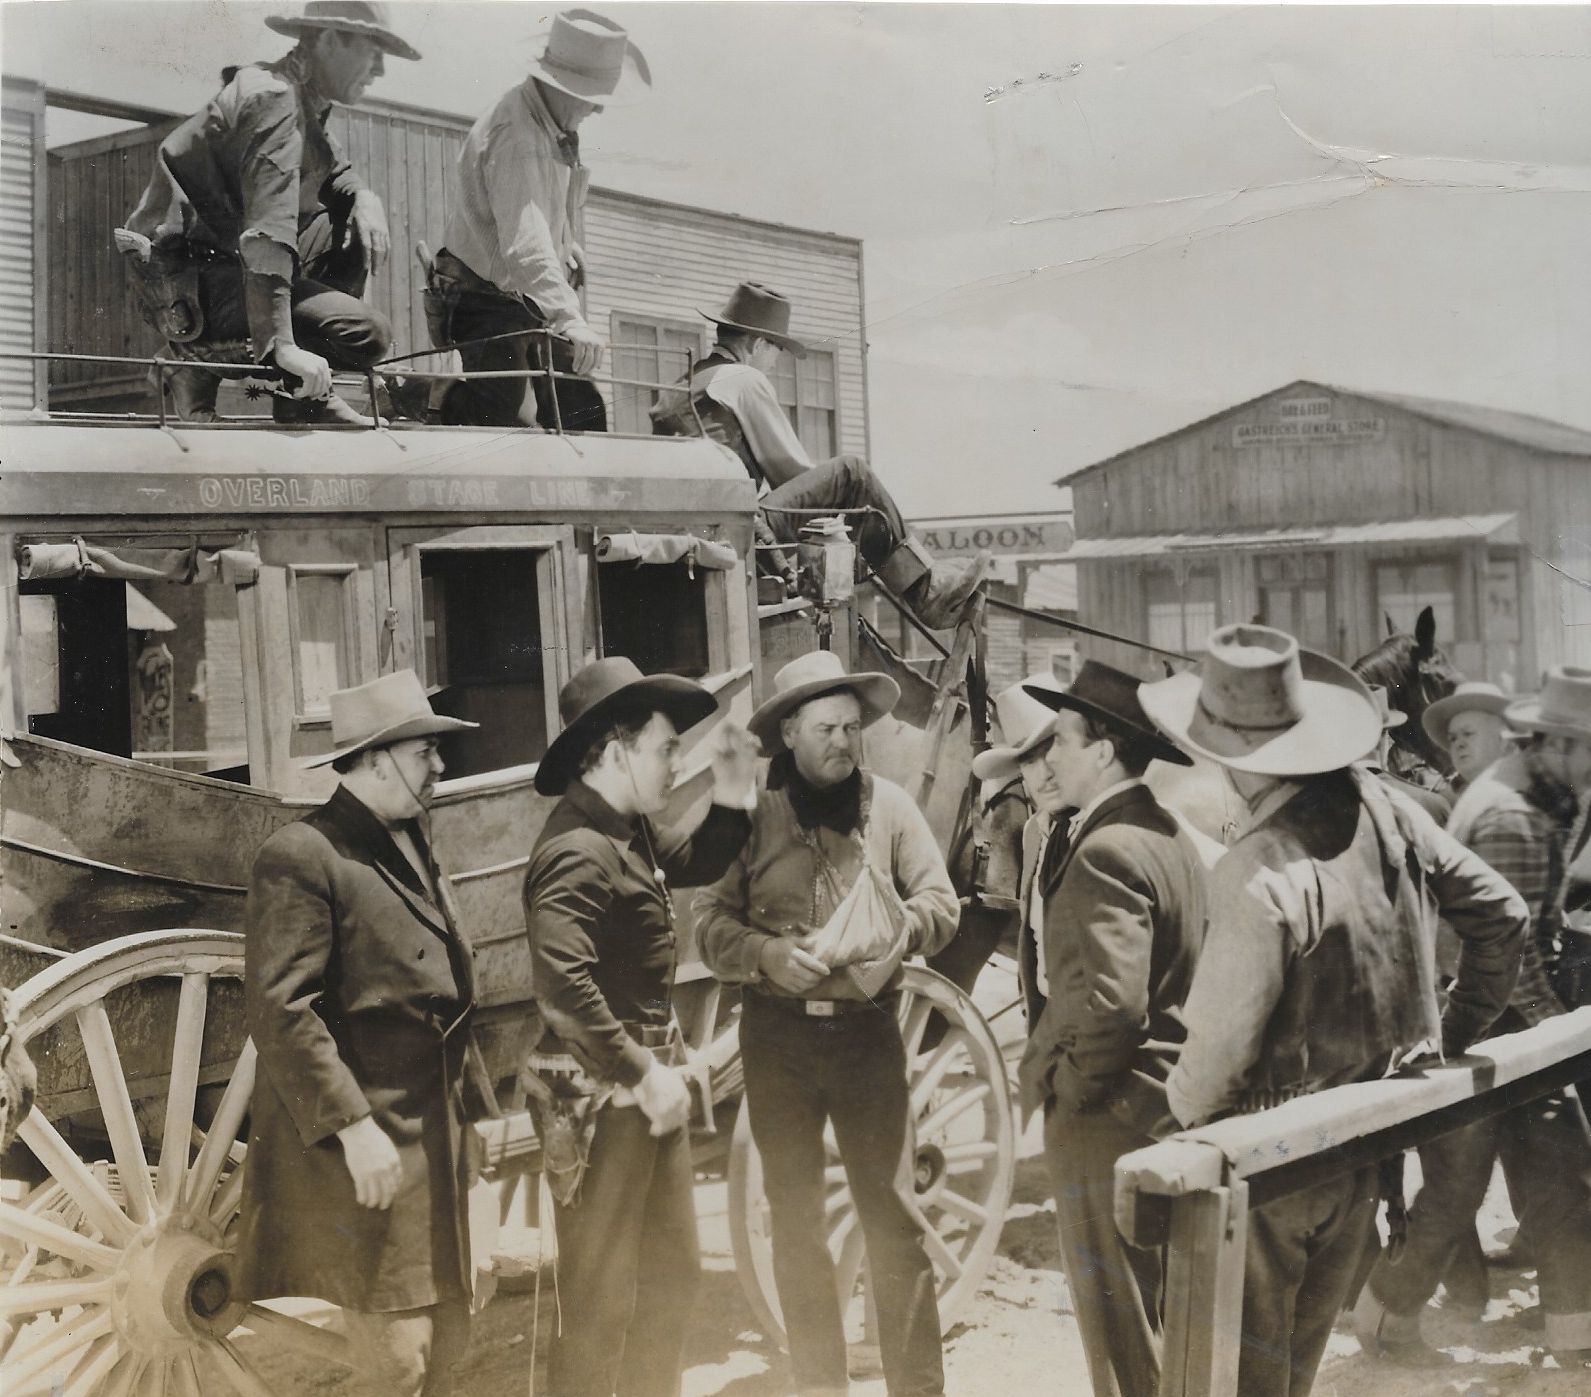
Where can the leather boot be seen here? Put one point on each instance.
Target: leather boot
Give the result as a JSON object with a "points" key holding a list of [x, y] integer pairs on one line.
{"points": [[288, 411], [193, 392], [937, 593]]}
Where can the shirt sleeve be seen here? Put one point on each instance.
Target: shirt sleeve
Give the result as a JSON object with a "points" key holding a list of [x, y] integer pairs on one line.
{"points": [[270, 153], [932, 908], [567, 892], [1236, 986], [1509, 851], [729, 946], [748, 394], [288, 945], [514, 177], [701, 855]]}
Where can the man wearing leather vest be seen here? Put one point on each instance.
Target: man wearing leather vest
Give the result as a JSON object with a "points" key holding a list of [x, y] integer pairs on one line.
{"points": [[1319, 966], [728, 396]]}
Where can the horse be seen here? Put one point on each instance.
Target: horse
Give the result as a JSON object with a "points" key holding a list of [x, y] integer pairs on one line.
{"points": [[1415, 673]]}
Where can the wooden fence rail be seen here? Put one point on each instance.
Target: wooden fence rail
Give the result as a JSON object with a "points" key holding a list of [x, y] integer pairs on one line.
{"points": [[1193, 1191]]}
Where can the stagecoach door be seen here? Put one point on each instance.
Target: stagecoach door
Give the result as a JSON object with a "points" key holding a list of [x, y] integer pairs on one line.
{"points": [[484, 614]]}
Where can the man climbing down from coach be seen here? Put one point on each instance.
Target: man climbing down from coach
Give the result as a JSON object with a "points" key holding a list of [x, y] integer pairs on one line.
{"points": [[729, 397]]}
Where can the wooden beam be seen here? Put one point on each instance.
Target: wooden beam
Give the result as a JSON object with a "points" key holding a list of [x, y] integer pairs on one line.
{"points": [[106, 106], [1204, 1293]]}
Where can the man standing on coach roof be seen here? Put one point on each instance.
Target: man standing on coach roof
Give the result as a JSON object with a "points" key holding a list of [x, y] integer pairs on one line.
{"points": [[1319, 965], [511, 262], [600, 911], [254, 225], [815, 1047], [1123, 920], [358, 989]]}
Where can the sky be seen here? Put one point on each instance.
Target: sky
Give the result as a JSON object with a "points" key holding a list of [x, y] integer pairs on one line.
{"points": [[1084, 226]]}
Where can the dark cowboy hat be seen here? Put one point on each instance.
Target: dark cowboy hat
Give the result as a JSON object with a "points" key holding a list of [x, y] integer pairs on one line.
{"points": [[600, 692], [367, 17], [759, 310], [1100, 691], [590, 57], [393, 708]]}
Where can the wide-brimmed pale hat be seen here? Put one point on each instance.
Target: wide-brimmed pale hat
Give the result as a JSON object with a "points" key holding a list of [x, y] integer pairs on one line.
{"points": [[1472, 696], [1561, 709], [393, 708], [1024, 724], [603, 690], [590, 57], [1259, 704], [365, 17], [1390, 717], [812, 676], [759, 310], [1102, 691]]}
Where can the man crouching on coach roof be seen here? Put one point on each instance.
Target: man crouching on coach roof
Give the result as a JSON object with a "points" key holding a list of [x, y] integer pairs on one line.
{"points": [[602, 939], [819, 1039]]}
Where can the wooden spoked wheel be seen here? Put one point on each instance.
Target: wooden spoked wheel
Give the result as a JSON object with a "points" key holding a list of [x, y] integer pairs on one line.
{"points": [[956, 1175], [117, 1271]]}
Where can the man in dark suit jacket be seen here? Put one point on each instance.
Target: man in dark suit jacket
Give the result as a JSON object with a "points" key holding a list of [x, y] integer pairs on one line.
{"points": [[1124, 914], [358, 990]]}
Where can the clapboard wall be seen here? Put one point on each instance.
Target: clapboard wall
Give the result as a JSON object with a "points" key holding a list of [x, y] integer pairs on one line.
{"points": [[646, 256], [21, 213]]}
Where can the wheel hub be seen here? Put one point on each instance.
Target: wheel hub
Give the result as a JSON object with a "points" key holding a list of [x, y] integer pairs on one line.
{"points": [[174, 1287], [928, 1169]]}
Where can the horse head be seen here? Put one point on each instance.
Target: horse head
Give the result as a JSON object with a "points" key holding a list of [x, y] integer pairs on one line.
{"points": [[1415, 672]]}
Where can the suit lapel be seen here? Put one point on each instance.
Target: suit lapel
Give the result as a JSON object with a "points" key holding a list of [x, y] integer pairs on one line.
{"points": [[1101, 813], [388, 860]]}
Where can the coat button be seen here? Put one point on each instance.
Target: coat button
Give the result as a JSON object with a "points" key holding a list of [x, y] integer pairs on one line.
{"points": [[422, 952]]}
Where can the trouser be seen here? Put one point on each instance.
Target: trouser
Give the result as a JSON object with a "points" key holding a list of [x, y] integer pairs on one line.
{"points": [[802, 1072], [1116, 1288], [1302, 1253], [410, 1353], [1545, 1148], [846, 482], [462, 307], [329, 318], [628, 1264]]}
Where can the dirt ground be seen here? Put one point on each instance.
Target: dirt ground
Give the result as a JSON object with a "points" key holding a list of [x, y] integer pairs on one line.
{"points": [[1017, 1337]]}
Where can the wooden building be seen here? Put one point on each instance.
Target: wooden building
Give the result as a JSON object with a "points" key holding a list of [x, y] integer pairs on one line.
{"points": [[653, 266], [1327, 511]]}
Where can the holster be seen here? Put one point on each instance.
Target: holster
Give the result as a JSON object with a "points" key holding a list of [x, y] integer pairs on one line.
{"points": [[165, 278], [563, 1103]]}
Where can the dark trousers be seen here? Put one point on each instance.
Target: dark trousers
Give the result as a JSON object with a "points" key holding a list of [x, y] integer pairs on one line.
{"points": [[329, 319], [1302, 1253], [802, 1072], [628, 1264], [1116, 1288], [846, 482], [461, 307], [1545, 1148], [410, 1353]]}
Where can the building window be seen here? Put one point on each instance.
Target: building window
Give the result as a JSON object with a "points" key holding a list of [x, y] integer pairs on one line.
{"points": [[1404, 589], [320, 614], [656, 616], [648, 349], [808, 392], [1295, 596], [1181, 608]]}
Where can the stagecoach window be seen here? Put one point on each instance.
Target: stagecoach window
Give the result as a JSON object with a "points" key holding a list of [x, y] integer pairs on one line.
{"points": [[1181, 607], [807, 391], [1404, 589], [321, 617], [656, 616], [481, 639], [648, 349], [151, 670]]}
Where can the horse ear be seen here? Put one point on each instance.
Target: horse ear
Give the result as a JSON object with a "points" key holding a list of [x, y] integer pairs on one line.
{"points": [[1391, 628], [1425, 631]]}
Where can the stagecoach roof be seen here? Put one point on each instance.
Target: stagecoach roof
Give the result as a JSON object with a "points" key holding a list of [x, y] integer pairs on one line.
{"points": [[56, 468]]}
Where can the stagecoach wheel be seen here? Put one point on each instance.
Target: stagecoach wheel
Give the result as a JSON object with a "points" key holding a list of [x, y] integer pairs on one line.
{"points": [[116, 1273], [957, 1172]]}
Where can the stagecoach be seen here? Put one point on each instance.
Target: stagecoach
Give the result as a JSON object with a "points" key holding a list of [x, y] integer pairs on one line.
{"points": [[180, 601]]}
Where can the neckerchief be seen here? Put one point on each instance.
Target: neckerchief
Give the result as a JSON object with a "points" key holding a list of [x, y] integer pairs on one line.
{"points": [[838, 807]]}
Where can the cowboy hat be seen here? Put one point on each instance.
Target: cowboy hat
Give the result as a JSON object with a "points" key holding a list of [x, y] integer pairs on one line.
{"points": [[602, 691], [1561, 709], [367, 18], [1472, 696], [759, 310], [591, 58], [1024, 723], [1259, 704], [393, 708], [811, 676], [1099, 691], [1390, 717]]}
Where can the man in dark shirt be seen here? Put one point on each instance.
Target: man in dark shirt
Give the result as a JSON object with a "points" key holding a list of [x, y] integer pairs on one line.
{"points": [[600, 913], [255, 227]]}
